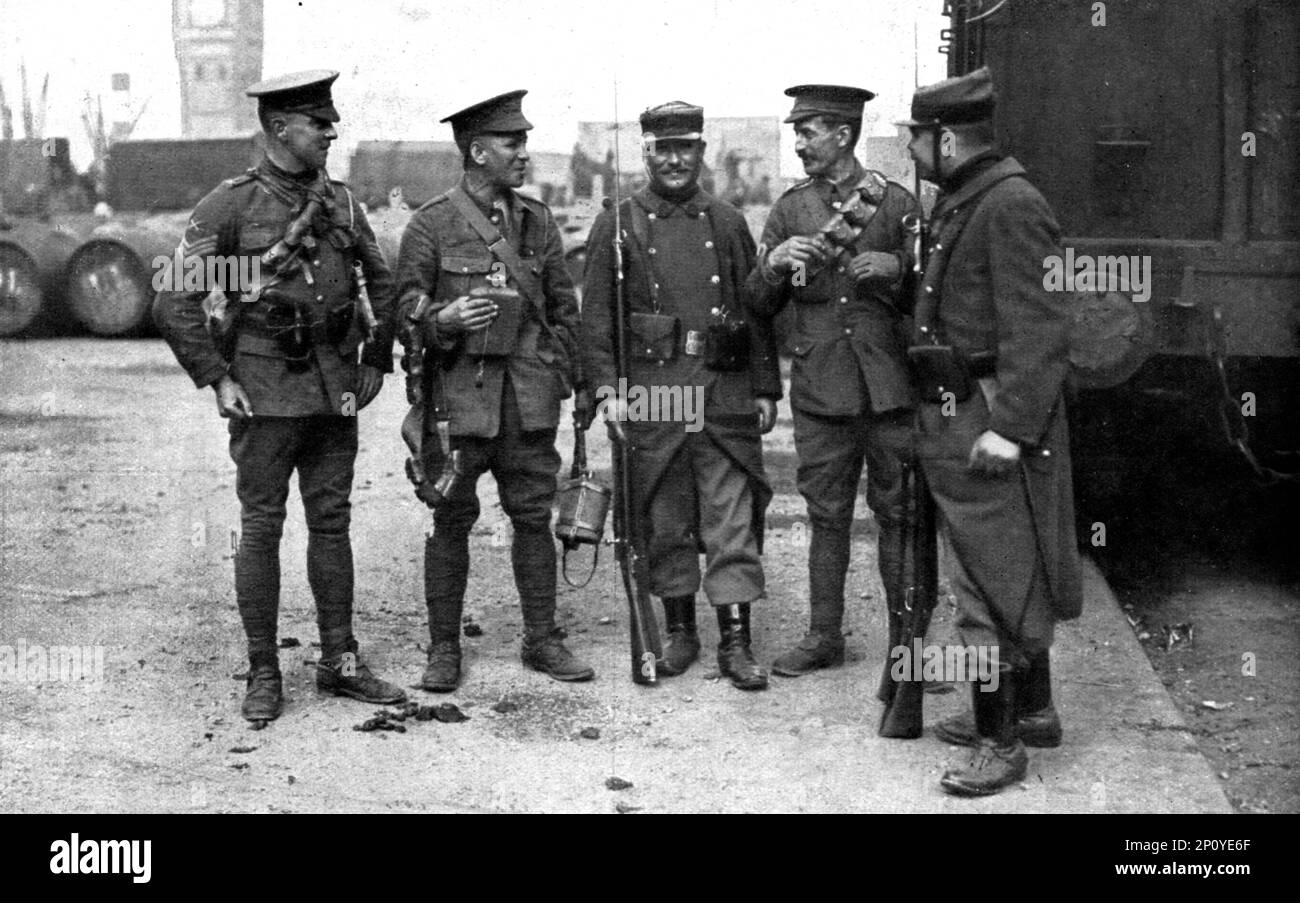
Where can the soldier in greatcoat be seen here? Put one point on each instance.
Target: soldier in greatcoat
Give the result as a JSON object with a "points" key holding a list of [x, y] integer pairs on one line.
{"points": [[992, 423], [699, 483]]}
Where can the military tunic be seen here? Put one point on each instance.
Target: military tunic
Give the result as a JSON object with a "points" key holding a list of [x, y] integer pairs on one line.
{"points": [[504, 410], [850, 389], [1016, 566], [697, 484], [303, 421]]}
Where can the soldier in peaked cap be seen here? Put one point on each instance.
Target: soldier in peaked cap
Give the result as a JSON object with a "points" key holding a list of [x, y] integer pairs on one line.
{"points": [[285, 369], [998, 461], [849, 388], [699, 484], [484, 268]]}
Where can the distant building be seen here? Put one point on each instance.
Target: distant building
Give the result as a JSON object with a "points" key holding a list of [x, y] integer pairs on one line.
{"points": [[219, 51]]}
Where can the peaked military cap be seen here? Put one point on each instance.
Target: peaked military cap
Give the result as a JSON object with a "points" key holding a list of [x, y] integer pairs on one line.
{"points": [[503, 113], [954, 101], [298, 92], [675, 119], [827, 100]]}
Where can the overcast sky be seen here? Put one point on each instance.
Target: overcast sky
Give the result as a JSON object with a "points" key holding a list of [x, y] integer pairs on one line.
{"points": [[406, 64]]}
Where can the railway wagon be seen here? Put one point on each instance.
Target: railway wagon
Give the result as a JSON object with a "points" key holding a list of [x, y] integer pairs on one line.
{"points": [[1164, 132]]}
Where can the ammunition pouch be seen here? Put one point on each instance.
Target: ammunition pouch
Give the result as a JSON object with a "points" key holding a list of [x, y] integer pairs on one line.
{"points": [[726, 345], [338, 323], [941, 371], [655, 337], [291, 329]]}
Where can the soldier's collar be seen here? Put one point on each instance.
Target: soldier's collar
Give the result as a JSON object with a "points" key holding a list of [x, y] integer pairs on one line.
{"points": [[662, 207], [841, 188], [980, 179], [303, 178], [487, 196]]}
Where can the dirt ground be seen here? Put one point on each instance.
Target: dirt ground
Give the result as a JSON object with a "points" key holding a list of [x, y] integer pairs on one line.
{"points": [[116, 515], [1205, 566]]}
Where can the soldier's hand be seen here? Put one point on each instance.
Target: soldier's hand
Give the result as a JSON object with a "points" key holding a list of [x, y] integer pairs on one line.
{"points": [[799, 250], [466, 314], [994, 456], [874, 265], [584, 409], [231, 399], [766, 408], [614, 410], [369, 381]]}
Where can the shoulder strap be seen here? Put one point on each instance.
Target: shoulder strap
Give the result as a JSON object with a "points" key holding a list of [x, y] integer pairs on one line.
{"points": [[946, 241], [524, 276]]}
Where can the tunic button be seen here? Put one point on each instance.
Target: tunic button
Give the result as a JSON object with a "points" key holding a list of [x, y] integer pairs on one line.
{"points": [[652, 250], [715, 279], [315, 263], [464, 269], [841, 269], [925, 329], [844, 300], [650, 216], [938, 247], [1047, 453], [702, 214], [708, 244], [848, 330], [320, 297], [929, 290]]}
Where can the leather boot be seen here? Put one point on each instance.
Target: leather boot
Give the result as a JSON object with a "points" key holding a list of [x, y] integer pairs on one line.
{"points": [[682, 647], [264, 698], [823, 646], [543, 651], [442, 672], [1037, 723], [735, 659], [346, 674], [1000, 759]]}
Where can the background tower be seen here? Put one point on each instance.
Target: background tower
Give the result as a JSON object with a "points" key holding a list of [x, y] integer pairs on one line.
{"points": [[219, 51]]}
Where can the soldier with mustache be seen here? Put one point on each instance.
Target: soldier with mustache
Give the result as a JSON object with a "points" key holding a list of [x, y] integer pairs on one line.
{"points": [[500, 329], [849, 386], [702, 488]]}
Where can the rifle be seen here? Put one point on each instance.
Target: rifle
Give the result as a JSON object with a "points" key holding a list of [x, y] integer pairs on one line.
{"points": [[628, 548], [904, 698], [902, 719]]}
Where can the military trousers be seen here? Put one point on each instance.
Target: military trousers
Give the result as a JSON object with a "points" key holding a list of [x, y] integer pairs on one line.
{"points": [[266, 452], [832, 452], [524, 464], [704, 499], [996, 566]]}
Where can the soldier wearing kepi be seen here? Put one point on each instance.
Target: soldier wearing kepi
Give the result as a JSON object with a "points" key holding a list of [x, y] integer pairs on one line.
{"points": [[991, 359], [482, 269], [849, 387], [285, 369], [698, 485]]}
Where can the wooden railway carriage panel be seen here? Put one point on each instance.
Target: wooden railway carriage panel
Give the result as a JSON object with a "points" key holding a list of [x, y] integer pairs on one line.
{"points": [[1135, 131]]}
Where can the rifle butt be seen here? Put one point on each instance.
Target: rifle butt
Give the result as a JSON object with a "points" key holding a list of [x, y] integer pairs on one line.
{"points": [[903, 716]]}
